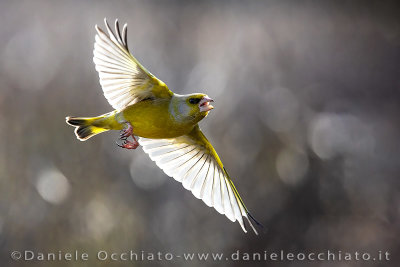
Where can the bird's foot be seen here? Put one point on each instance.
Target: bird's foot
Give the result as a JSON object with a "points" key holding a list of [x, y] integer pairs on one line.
{"points": [[125, 133], [128, 144]]}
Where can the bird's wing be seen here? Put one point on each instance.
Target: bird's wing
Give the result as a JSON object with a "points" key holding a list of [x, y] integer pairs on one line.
{"points": [[191, 160], [123, 79]]}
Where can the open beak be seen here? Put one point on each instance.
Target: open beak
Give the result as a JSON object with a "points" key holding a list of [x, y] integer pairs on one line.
{"points": [[204, 104]]}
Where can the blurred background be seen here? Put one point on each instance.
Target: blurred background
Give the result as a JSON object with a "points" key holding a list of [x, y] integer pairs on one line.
{"points": [[306, 121]]}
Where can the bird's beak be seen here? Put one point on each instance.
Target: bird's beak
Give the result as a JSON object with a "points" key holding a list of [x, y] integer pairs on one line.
{"points": [[204, 104]]}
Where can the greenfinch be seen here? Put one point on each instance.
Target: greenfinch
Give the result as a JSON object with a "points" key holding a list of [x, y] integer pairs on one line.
{"points": [[166, 124]]}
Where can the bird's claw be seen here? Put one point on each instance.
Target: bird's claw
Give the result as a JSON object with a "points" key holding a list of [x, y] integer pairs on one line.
{"points": [[128, 144], [127, 131], [124, 135], [121, 145]]}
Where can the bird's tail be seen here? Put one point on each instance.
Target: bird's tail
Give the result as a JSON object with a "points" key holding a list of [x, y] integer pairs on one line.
{"points": [[86, 127]]}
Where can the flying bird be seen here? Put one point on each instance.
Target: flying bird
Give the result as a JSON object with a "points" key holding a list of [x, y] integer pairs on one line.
{"points": [[166, 124]]}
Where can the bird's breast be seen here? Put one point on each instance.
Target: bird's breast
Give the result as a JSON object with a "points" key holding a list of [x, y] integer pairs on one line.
{"points": [[152, 119]]}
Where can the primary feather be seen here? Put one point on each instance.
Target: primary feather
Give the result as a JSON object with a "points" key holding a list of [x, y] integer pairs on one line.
{"points": [[123, 79], [192, 161]]}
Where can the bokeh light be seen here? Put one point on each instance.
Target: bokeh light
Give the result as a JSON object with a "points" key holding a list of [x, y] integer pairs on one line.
{"points": [[52, 186]]}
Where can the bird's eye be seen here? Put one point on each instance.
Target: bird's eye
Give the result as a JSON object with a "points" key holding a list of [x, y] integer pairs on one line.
{"points": [[194, 100]]}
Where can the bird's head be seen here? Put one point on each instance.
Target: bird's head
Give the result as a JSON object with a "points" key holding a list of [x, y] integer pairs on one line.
{"points": [[193, 107], [199, 103]]}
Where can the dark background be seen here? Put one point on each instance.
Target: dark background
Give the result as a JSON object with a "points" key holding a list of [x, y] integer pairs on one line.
{"points": [[306, 121]]}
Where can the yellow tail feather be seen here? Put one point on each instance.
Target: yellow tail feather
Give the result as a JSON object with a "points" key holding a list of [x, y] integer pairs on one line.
{"points": [[86, 127]]}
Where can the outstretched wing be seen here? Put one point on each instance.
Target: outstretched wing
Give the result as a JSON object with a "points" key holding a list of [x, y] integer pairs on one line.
{"points": [[191, 160], [123, 79]]}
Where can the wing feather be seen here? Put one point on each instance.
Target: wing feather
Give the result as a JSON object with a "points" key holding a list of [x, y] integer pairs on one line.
{"points": [[206, 191], [192, 161], [123, 79]]}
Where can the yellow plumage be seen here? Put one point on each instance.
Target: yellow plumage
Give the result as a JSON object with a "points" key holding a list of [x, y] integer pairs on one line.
{"points": [[166, 123]]}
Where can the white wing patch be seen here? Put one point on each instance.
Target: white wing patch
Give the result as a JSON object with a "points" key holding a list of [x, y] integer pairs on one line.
{"points": [[194, 166], [124, 81]]}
